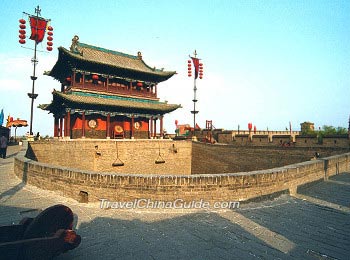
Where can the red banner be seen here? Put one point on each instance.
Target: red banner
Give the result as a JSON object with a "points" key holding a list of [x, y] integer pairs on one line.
{"points": [[38, 28], [196, 66]]}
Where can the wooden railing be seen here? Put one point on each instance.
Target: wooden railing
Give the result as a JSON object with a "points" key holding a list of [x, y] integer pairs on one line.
{"points": [[123, 90]]}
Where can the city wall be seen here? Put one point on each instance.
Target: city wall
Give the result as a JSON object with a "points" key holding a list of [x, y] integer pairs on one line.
{"points": [[78, 184], [209, 159], [138, 156], [280, 138]]}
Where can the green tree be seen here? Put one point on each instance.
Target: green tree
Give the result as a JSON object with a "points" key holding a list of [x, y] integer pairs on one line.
{"points": [[342, 130], [330, 130]]}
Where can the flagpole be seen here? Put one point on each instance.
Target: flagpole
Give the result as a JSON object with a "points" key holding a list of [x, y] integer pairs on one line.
{"points": [[198, 69], [194, 100], [194, 112], [32, 95]]}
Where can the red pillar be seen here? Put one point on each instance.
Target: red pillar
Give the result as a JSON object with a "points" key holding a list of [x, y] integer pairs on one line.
{"points": [[56, 127], [108, 124], [161, 127], [73, 79], [61, 127], [83, 125], [155, 128], [132, 126], [151, 127], [67, 125]]}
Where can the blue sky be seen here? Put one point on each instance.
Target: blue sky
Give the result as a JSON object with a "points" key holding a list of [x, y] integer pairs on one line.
{"points": [[265, 62]]}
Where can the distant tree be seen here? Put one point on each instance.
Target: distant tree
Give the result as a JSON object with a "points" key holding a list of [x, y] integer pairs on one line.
{"points": [[330, 130], [325, 130], [342, 130]]}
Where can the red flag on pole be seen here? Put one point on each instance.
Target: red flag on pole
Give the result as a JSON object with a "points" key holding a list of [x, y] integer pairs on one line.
{"points": [[196, 66], [38, 28]]}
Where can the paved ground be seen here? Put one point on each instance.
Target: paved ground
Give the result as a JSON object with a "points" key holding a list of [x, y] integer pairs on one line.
{"points": [[315, 224]]}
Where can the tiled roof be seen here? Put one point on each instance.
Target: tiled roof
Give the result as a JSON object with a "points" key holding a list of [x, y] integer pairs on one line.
{"points": [[117, 59], [99, 60], [108, 103]]}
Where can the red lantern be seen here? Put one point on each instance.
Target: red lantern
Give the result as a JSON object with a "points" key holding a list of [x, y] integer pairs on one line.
{"points": [[95, 77], [50, 28], [200, 77], [139, 84], [68, 79], [49, 43], [22, 32], [49, 33], [49, 38], [49, 48], [189, 68]]}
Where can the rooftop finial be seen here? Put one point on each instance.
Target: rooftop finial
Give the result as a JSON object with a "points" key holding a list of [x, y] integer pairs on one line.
{"points": [[74, 46], [38, 11], [139, 55]]}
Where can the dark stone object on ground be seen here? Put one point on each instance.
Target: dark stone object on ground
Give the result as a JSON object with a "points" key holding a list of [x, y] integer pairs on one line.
{"points": [[43, 237]]}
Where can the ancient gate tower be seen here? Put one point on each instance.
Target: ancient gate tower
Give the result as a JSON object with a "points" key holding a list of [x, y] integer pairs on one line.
{"points": [[106, 94]]}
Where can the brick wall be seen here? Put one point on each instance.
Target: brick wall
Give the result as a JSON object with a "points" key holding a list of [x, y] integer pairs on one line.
{"points": [[181, 157], [210, 187], [138, 156], [274, 139], [211, 159]]}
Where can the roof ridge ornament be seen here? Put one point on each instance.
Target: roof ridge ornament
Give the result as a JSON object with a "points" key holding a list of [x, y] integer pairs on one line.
{"points": [[139, 55], [74, 46]]}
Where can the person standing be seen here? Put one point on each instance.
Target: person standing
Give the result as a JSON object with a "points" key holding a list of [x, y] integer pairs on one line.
{"points": [[3, 146]]}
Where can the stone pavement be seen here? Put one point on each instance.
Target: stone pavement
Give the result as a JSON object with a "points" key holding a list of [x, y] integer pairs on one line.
{"points": [[315, 224]]}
